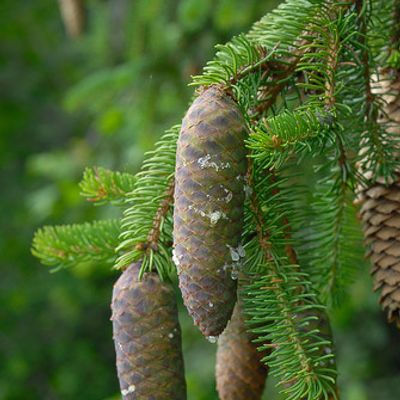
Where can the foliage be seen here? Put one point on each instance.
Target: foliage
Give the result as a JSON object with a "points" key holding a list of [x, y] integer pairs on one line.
{"points": [[102, 186], [70, 245], [144, 222], [301, 77], [49, 132]]}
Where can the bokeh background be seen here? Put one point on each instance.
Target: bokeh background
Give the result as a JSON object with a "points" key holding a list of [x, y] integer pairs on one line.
{"points": [[103, 99]]}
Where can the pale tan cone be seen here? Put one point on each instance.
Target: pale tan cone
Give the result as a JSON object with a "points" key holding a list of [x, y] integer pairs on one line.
{"points": [[380, 210], [73, 15]]}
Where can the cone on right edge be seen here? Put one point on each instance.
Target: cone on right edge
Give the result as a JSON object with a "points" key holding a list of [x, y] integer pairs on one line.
{"points": [[380, 212], [240, 373]]}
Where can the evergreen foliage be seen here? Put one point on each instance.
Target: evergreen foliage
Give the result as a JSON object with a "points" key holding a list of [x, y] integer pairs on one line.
{"points": [[146, 225], [302, 78], [68, 245], [102, 186], [290, 328]]}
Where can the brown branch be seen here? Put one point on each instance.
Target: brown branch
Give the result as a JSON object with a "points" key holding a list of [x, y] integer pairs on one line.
{"points": [[265, 64], [365, 59], [284, 69], [263, 236], [333, 59], [155, 232]]}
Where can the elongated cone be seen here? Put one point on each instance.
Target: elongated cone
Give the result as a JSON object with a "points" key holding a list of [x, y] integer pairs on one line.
{"points": [[147, 338], [73, 15], [208, 213], [380, 213], [240, 373]]}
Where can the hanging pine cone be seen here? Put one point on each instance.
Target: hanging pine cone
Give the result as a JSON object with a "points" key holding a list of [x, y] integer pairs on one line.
{"points": [[380, 213], [147, 338], [240, 373], [208, 214], [73, 15]]}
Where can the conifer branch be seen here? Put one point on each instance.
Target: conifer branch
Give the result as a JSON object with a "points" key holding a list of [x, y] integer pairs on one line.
{"points": [[395, 37], [155, 233], [273, 41], [278, 137], [66, 246], [377, 154], [287, 233], [234, 61], [101, 186], [146, 226], [298, 357], [332, 268], [333, 272], [394, 49], [279, 294], [270, 247], [369, 97], [295, 75], [282, 72]]}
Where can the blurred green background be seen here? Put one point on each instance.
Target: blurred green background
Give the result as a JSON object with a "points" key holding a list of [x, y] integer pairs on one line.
{"points": [[103, 99]]}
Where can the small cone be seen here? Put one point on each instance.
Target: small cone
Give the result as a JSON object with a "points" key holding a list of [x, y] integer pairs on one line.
{"points": [[380, 211], [208, 213], [73, 15], [147, 338], [240, 373]]}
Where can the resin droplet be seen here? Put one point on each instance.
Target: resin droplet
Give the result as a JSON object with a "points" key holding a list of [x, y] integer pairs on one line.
{"points": [[215, 217], [234, 253], [130, 389], [175, 258], [241, 251], [248, 190], [212, 339]]}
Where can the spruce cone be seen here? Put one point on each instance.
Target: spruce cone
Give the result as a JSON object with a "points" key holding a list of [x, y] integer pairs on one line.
{"points": [[380, 214], [240, 373], [73, 15], [208, 214], [147, 338]]}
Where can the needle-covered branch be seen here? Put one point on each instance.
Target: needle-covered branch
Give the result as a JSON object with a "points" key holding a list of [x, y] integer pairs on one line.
{"points": [[101, 186], [68, 245], [146, 226], [304, 130]]}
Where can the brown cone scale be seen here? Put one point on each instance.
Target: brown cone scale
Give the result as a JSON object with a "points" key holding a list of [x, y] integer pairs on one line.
{"points": [[240, 373], [380, 211], [147, 338], [208, 212]]}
